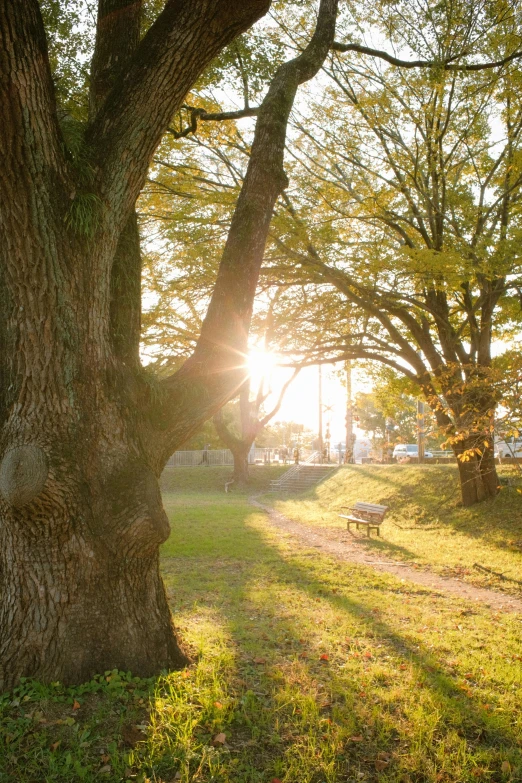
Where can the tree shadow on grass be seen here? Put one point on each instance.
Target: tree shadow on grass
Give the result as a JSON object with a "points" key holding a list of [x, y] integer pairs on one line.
{"points": [[263, 730], [384, 547], [275, 710]]}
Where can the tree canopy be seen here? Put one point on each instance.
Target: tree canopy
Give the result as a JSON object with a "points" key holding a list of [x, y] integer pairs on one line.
{"points": [[402, 221]]}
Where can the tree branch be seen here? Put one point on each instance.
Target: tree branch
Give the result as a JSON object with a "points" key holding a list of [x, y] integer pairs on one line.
{"points": [[218, 116], [217, 366], [31, 144], [446, 65], [137, 110], [270, 415]]}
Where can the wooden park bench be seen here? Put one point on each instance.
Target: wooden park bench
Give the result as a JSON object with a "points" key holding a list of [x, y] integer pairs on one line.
{"points": [[369, 514]]}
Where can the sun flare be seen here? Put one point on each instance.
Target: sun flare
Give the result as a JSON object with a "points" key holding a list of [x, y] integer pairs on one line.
{"points": [[260, 364]]}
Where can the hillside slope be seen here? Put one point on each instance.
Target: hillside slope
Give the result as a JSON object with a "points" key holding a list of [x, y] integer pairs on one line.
{"points": [[426, 524]]}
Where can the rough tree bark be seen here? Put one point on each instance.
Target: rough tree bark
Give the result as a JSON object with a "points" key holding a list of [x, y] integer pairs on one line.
{"points": [[475, 450], [83, 438]]}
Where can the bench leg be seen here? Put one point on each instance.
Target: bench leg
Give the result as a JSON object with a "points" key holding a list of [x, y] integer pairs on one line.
{"points": [[368, 530], [357, 525]]}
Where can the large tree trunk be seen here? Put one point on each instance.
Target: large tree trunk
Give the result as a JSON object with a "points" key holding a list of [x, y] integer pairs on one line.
{"points": [[81, 512], [83, 437], [477, 471], [86, 601]]}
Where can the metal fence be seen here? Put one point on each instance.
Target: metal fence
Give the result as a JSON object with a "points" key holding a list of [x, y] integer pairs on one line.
{"points": [[203, 457], [191, 459]]}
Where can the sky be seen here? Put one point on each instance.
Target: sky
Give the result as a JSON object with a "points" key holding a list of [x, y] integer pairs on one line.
{"points": [[301, 401]]}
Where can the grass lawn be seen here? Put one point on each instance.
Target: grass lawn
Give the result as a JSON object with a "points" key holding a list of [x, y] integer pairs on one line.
{"points": [[425, 524], [213, 479], [306, 670]]}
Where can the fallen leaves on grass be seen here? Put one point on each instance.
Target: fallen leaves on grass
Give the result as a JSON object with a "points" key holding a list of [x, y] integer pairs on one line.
{"points": [[219, 740], [382, 761]]}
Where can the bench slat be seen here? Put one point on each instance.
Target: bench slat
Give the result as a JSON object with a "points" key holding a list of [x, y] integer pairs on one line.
{"points": [[370, 522], [376, 514]]}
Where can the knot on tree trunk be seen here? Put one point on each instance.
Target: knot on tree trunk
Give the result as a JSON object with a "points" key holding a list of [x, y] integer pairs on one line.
{"points": [[23, 473], [137, 519]]}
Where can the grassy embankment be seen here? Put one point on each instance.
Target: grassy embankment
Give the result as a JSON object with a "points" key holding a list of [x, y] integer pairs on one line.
{"points": [[426, 525], [313, 670]]}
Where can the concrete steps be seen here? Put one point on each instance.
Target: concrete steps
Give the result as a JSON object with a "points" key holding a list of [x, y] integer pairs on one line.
{"points": [[301, 477]]}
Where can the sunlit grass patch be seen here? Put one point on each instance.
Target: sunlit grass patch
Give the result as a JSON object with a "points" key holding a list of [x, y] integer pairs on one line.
{"points": [[342, 674], [305, 670], [425, 524]]}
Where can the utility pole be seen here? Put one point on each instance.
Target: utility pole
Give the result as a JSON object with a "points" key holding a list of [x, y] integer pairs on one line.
{"points": [[420, 427], [320, 413], [348, 454], [327, 441]]}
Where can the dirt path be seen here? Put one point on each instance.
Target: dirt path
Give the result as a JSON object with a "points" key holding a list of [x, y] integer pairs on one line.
{"points": [[344, 546]]}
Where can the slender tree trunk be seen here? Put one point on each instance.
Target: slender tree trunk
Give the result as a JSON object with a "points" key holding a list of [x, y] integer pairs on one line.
{"points": [[471, 484], [471, 419], [240, 474], [239, 446]]}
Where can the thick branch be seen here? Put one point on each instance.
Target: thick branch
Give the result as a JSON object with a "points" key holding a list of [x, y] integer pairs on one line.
{"points": [[265, 179], [137, 111], [218, 363], [125, 311], [117, 37], [30, 139]]}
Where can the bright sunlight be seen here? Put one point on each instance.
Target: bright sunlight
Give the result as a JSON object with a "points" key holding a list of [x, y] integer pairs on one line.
{"points": [[261, 364]]}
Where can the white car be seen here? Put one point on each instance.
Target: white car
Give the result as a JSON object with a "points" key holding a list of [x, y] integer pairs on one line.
{"points": [[511, 447], [405, 451]]}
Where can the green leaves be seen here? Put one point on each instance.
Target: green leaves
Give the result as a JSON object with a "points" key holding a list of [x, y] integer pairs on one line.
{"points": [[70, 35]]}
